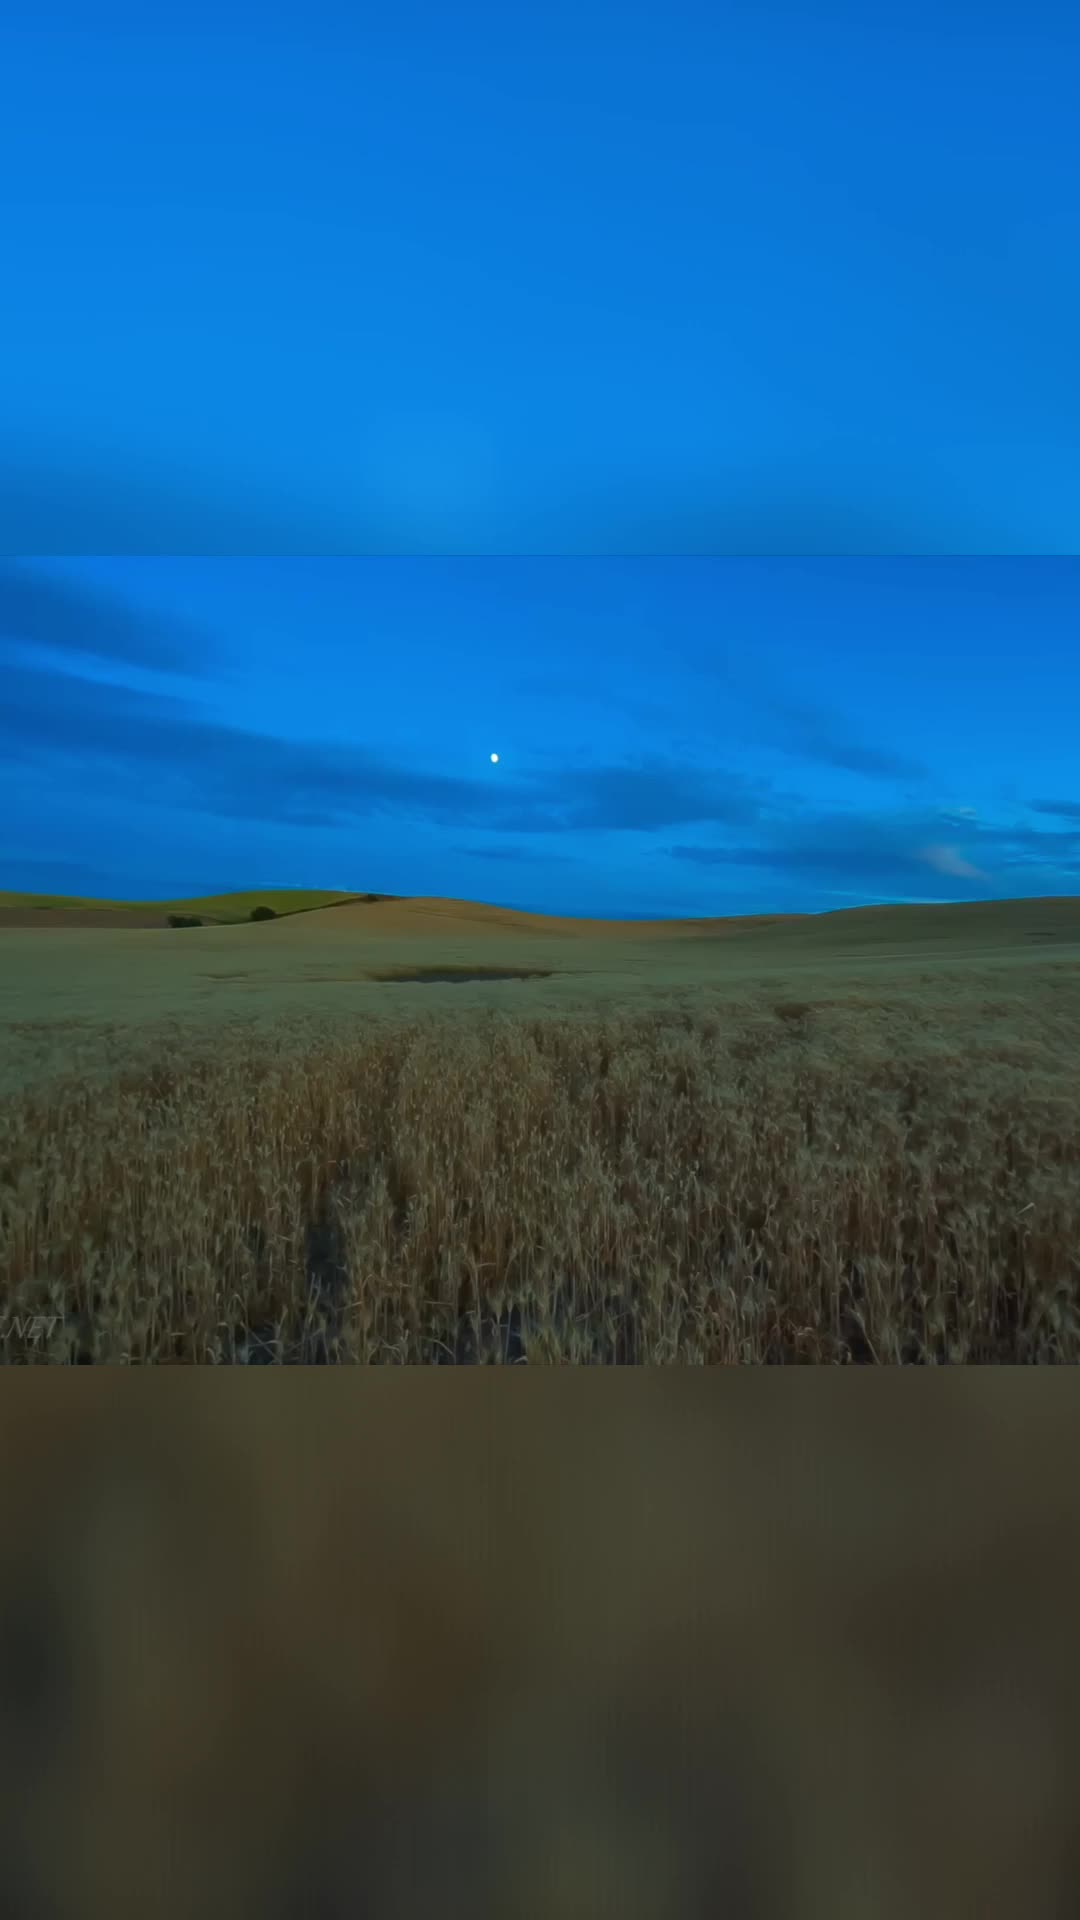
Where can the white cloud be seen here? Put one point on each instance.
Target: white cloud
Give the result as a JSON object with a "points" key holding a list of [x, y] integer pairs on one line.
{"points": [[947, 860]]}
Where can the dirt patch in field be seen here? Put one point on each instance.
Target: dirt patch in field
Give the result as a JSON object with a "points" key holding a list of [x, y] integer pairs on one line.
{"points": [[428, 976]]}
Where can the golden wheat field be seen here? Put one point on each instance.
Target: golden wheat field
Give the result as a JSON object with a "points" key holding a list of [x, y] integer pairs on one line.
{"points": [[341, 1136]]}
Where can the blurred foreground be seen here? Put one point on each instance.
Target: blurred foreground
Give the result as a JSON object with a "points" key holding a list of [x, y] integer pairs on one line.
{"points": [[662, 1647]]}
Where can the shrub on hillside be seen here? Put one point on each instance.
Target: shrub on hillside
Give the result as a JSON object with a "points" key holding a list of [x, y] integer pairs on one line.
{"points": [[263, 913], [184, 920]]}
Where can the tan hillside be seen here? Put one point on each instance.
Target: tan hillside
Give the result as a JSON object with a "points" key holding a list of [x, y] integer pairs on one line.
{"points": [[422, 915]]}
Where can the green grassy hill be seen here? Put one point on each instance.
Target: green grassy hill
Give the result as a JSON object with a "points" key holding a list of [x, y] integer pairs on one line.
{"points": [[223, 908], [218, 909]]}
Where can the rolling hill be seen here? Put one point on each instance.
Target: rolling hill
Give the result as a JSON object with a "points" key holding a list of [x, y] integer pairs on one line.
{"points": [[967, 926], [218, 909]]}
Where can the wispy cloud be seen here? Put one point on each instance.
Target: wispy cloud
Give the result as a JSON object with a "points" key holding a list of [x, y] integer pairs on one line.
{"points": [[881, 851], [811, 733], [799, 727], [948, 860], [1064, 809], [162, 740], [516, 855], [45, 609]]}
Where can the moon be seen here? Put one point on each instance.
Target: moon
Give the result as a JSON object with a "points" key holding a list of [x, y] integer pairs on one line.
{"points": [[494, 757]]}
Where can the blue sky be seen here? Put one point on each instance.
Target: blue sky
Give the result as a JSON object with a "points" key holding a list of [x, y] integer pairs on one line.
{"points": [[675, 736], [580, 277]]}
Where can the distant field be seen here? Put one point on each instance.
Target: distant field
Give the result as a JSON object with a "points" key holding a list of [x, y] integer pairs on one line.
{"points": [[433, 1130], [220, 909]]}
